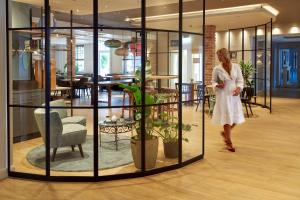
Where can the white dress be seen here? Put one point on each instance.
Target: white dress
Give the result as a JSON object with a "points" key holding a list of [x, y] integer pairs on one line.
{"points": [[228, 108]]}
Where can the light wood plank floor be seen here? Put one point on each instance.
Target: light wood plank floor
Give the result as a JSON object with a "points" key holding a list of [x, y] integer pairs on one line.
{"points": [[266, 166]]}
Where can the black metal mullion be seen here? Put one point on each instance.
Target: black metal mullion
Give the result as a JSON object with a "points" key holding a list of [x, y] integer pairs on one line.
{"points": [[203, 75], [255, 64], [271, 66], [47, 84], [180, 85], [156, 53], [168, 60], [30, 22], [243, 44], [229, 33], [95, 87], [43, 48], [8, 89], [265, 67], [143, 77], [71, 64]]}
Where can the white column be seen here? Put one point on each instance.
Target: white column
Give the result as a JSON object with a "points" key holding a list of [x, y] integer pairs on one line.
{"points": [[3, 127]]}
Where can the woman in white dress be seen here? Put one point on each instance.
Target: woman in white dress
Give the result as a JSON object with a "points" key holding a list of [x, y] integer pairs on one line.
{"points": [[227, 81]]}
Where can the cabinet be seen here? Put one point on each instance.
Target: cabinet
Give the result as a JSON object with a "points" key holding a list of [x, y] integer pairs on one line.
{"points": [[24, 126]]}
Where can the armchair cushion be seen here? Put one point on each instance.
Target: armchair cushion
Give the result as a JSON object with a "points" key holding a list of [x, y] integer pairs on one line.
{"points": [[73, 134], [74, 120]]}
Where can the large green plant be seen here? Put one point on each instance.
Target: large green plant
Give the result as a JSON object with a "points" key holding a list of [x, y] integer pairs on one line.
{"points": [[247, 70], [149, 100], [168, 128]]}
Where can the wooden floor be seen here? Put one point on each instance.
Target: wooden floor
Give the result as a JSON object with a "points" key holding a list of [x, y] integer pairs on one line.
{"points": [[266, 166]]}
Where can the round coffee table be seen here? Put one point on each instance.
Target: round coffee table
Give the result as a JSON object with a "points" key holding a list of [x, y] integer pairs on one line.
{"points": [[116, 128]]}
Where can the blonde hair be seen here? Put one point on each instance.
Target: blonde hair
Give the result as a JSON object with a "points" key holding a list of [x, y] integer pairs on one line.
{"points": [[225, 53]]}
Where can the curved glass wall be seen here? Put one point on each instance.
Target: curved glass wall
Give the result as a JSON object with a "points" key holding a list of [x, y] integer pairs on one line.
{"points": [[101, 90], [253, 45]]}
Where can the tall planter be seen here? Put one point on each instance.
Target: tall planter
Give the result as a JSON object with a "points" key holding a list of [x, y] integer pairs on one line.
{"points": [[151, 146], [171, 149]]}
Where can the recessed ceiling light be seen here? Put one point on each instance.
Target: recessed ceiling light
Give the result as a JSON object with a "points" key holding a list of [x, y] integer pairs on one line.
{"points": [[214, 12]]}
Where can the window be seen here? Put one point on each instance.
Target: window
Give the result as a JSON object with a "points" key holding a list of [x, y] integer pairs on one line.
{"points": [[104, 59], [131, 63], [79, 57]]}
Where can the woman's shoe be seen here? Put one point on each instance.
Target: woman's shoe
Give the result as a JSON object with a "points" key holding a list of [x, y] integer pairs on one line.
{"points": [[229, 147]]}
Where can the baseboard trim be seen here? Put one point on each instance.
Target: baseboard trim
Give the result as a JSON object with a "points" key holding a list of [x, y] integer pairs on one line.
{"points": [[3, 173]]}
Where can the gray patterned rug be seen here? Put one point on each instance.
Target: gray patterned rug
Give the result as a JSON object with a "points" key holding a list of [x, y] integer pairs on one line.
{"points": [[68, 161]]}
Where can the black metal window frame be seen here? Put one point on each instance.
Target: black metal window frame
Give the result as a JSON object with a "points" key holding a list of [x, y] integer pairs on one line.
{"points": [[255, 53], [46, 30]]}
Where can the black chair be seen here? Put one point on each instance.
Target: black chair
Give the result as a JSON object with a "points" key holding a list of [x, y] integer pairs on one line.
{"points": [[246, 96], [200, 94], [186, 90], [81, 85]]}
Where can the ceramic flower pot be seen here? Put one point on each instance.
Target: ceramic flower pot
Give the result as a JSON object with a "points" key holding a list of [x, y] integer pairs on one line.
{"points": [[171, 149], [150, 155]]}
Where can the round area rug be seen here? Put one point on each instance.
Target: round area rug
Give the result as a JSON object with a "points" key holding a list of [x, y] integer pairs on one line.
{"points": [[69, 161]]}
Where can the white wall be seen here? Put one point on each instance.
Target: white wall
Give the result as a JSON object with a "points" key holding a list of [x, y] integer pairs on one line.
{"points": [[3, 129], [236, 43]]}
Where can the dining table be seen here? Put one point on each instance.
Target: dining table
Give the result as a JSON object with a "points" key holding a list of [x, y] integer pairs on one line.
{"points": [[108, 85], [61, 90]]}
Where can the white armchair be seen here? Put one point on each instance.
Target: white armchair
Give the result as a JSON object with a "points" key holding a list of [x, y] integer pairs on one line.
{"points": [[64, 114], [61, 135]]}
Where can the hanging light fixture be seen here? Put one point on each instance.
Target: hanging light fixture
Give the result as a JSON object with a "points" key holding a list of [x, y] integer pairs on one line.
{"points": [[123, 51], [112, 43]]}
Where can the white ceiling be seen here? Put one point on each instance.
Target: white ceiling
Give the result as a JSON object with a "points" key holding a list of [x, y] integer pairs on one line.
{"points": [[192, 24], [85, 7], [222, 22]]}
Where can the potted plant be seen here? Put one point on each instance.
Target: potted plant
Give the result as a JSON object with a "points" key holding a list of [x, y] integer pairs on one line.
{"points": [[247, 70], [168, 130], [151, 140]]}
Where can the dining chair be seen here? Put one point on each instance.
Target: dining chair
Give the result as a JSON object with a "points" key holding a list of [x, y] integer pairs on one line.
{"points": [[186, 90], [246, 98], [128, 95], [200, 94]]}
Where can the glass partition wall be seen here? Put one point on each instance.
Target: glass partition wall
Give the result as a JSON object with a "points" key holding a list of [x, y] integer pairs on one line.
{"points": [[100, 90], [253, 45]]}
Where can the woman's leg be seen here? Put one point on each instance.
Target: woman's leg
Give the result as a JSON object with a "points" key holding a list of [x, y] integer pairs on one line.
{"points": [[227, 136]]}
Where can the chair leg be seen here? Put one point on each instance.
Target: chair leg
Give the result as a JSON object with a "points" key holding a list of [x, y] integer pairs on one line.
{"points": [[73, 149], [197, 105], [246, 109], [53, 154], [81, 151], [250, 108]]}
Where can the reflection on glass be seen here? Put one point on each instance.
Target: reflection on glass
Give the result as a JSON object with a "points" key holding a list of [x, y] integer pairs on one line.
{"points": [[28, 141], [25, 15], [27, 68]]}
